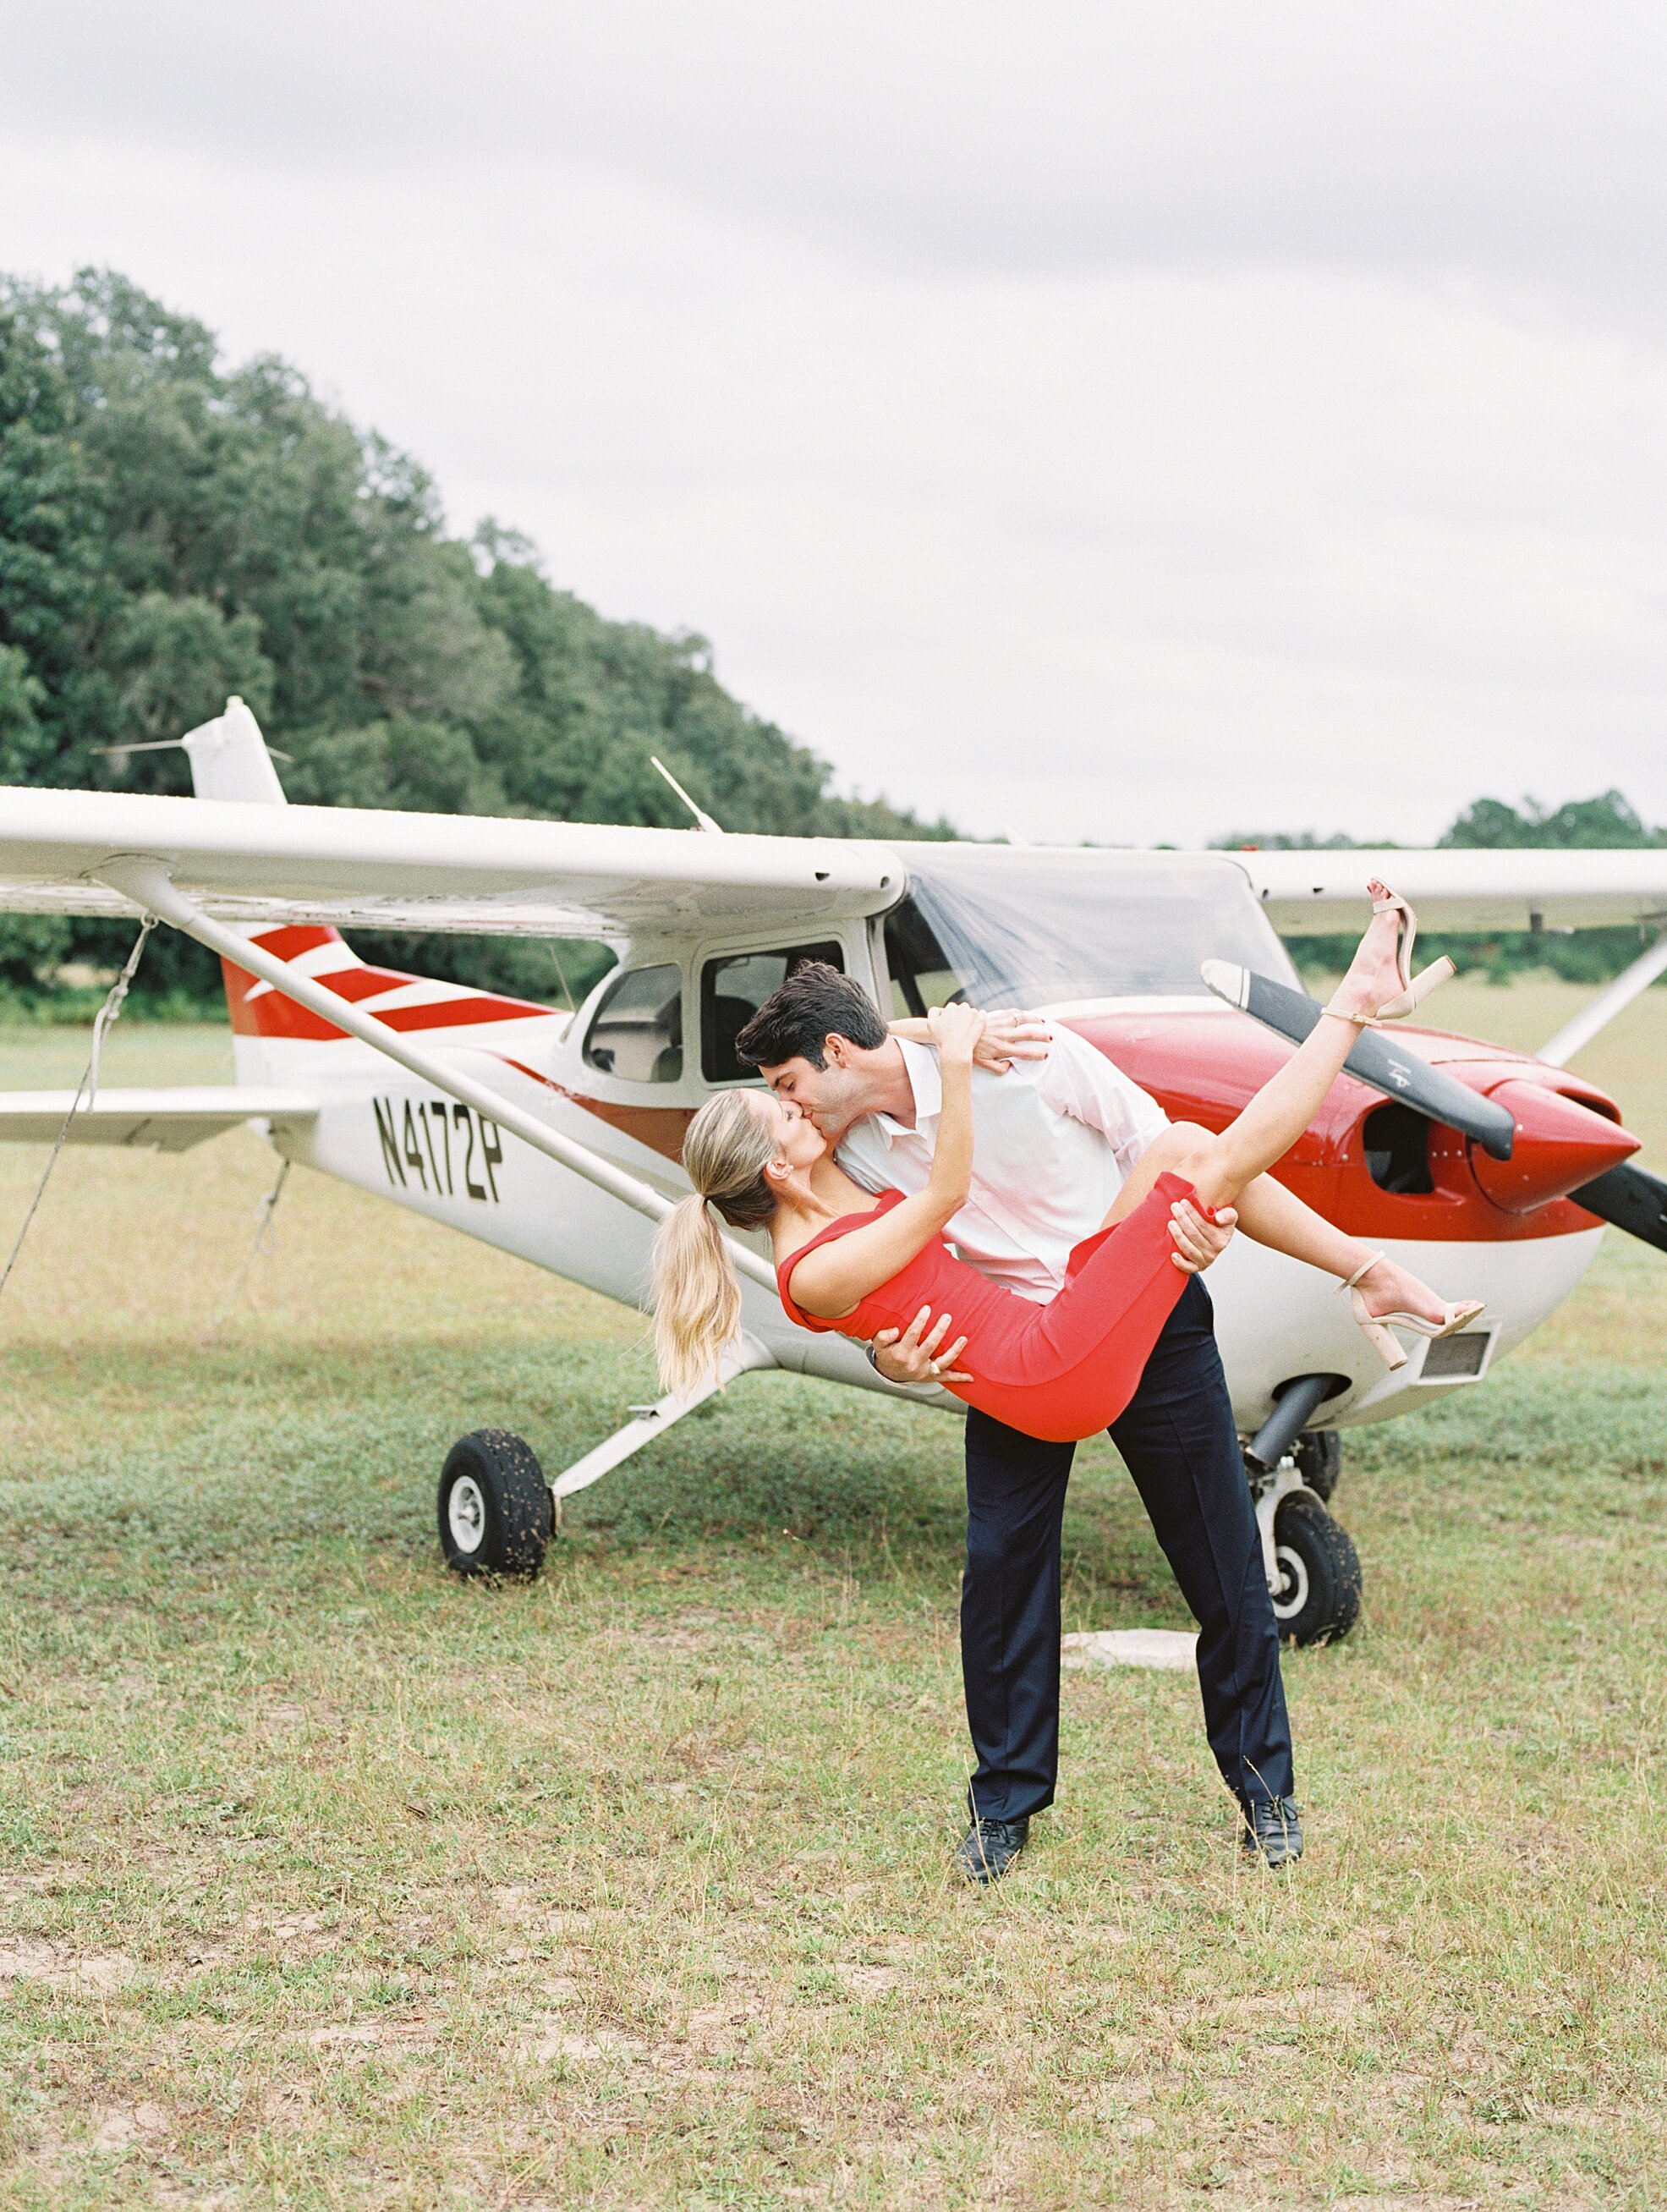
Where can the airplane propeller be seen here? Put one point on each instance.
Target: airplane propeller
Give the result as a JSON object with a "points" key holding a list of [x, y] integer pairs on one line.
{"points": [[1560, 1135], [1398, 1074], [1631, 1198]]}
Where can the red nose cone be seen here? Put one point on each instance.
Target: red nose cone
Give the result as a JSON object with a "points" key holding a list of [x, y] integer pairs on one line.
{"points": [[1560, 1145]]}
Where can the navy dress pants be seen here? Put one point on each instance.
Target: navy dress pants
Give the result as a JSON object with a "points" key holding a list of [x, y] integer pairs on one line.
{"points": [[1177, 1438]]}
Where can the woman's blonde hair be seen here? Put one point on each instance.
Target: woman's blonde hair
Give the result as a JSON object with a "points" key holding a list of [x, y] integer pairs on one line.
{"points": [[697, 1297]]}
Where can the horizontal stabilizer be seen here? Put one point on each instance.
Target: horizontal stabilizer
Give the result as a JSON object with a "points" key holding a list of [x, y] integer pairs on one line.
{"points": [[169, 1120]]}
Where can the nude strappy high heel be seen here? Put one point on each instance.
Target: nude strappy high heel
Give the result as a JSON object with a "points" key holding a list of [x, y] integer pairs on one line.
{"points": [[1376, 1328], [1414, 989], [1234, 983]]}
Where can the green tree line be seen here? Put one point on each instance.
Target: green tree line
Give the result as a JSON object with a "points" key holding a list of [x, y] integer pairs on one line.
{"points": [[173, 530]]}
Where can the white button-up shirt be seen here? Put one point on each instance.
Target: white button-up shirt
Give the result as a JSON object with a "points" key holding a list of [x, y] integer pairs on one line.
{"points": [[1054, 1139]]}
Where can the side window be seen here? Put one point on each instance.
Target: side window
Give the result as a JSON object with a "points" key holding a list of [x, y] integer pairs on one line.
{"points": [[733, 989], [637, 1032], [921, 976]]}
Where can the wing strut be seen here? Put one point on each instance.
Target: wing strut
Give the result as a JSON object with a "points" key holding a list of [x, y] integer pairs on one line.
{"points": [[146, 883], [1575, 1035]]}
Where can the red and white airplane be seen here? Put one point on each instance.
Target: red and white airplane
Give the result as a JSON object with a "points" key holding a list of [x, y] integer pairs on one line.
{"points": [[557, 1135]]}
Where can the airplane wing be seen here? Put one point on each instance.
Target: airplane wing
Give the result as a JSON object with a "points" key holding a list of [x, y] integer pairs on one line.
{"points": [[1320, 894], [158, 1121], [248, 861], [244, 860]]}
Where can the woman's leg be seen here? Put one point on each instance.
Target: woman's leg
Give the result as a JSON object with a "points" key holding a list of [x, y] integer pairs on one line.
{"points": [[1181, 1141], [1271, 1215], [1283, 1108], [1221, 1169]]}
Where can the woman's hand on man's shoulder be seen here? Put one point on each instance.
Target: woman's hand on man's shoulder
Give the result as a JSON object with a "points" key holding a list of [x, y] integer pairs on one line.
{"points": [[1010, 1034]]}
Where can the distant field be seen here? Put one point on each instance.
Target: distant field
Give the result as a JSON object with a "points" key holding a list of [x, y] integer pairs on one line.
{"points": [[332, 1881]]}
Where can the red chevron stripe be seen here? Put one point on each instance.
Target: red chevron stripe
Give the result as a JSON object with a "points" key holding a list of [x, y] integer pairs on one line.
{"points": [[272, 1015]]}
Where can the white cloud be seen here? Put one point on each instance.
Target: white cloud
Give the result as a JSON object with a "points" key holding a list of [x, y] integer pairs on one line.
{"points": [[1152, 425]]}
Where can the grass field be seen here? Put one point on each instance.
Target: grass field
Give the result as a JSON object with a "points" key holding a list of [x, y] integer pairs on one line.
{"points": [[331, 1881]]}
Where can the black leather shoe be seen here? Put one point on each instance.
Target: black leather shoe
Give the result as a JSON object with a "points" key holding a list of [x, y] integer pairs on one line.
{"points": [[1272, 1831], [989, 1847]]}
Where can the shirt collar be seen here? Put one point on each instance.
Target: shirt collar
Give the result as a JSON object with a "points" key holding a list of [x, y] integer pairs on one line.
{"points": [[920, 1064]]}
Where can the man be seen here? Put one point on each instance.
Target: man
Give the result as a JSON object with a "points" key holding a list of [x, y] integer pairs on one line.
{"points": [[1055, 1137]]}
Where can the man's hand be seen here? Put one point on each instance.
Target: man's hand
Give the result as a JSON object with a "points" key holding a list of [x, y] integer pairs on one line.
{"points": [[912, 1358], [1198, 1242], [1011, 1034]]}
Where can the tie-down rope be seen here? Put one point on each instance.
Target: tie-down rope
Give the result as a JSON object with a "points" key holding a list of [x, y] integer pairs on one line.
{"points": [[103, 1022], [262, 1243]]}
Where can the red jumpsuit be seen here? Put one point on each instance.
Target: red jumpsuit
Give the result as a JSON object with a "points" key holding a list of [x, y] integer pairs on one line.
{"points": [[1058, 1372]]}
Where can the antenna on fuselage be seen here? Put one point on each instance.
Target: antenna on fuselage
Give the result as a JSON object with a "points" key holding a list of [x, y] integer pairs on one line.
{"points": [[713, 828]]}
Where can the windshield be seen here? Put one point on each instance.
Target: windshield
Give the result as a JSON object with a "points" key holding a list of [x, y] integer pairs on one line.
{"points": [[1007, 927]]}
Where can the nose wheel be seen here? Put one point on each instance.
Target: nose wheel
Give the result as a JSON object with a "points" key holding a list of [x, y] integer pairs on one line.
{"points": [[1314, 1570], [1318, 1597]]}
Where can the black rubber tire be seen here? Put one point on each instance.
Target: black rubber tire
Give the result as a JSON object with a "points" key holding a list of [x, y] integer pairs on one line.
{"points": [[507, 1509], [1319, 1460], [1319, 1599]]}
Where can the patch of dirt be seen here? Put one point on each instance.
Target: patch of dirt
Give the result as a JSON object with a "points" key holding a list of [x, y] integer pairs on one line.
{"points": [[548, 2040], [860, 1981], [365, 2035], [712, 2032], [36, 1959], [127, 2124], [47, 1883], [1308, 2002], [288, 2105], [298, 1927]]}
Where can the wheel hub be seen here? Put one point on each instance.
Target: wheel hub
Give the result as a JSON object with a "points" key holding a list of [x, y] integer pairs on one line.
{"points": [[1292, 1594], [465, 1514]]}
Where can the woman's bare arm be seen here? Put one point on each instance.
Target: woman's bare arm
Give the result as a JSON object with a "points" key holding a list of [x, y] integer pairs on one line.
{"points": [[838, 1276], [1010, 1034]]}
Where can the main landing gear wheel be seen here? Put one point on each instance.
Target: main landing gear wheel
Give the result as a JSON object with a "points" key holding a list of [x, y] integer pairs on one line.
{"points": [[496, 1511], [1318, 1597]]}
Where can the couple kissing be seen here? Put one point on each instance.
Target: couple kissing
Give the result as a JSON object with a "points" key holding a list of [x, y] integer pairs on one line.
{"points": [[998, 1176]]}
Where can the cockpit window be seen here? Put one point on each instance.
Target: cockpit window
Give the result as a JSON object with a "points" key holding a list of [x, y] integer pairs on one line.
{"points": [[733, 989], [1023, 928], [637, 1032]]}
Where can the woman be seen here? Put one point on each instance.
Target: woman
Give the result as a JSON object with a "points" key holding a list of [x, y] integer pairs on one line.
{"points": [[845, 1262]]}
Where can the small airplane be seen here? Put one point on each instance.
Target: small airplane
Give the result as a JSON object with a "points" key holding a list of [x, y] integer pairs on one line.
{"points": [[557, 1135]]}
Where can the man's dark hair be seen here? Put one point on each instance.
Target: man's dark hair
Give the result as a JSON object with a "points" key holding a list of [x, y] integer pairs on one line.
{"points": [[795, 1022]]}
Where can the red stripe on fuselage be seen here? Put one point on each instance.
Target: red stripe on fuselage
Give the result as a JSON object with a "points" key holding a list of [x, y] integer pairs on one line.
{"points": [[662, 1128], [453, 1013]]}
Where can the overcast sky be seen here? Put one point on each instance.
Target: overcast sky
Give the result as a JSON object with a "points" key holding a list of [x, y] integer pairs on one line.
{"points": [[1096, 421]]}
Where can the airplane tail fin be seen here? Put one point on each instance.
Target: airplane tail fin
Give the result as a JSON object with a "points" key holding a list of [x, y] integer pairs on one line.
{"points": [[229, 761]]}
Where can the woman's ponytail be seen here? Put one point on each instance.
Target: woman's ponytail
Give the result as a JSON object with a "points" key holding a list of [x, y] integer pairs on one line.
{"points": [[697, 1294]]}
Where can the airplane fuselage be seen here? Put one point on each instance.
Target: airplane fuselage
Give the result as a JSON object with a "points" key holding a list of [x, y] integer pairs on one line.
{"points": [[395, 1136]]}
